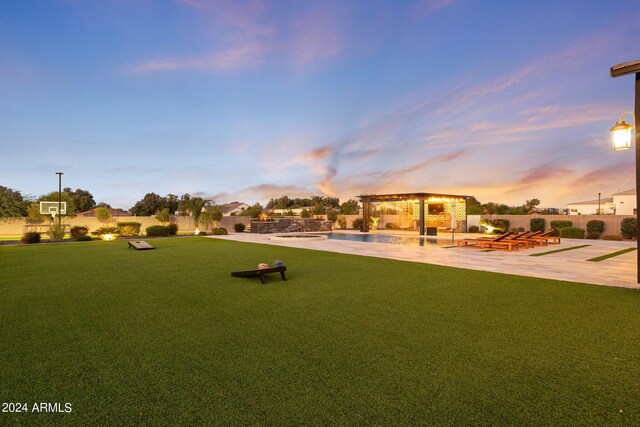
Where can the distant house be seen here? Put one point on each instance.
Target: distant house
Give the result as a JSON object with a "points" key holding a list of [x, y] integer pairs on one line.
{"points": [[625, 202], [622, 203], [114, 212], [234, 208]]}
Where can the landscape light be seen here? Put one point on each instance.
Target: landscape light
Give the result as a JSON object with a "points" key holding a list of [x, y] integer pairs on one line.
{"points": [[107, 237], [196, 231], [621, 134]]}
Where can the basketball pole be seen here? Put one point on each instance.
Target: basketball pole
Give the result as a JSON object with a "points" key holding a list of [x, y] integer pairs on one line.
{"points": [[59, 198]]}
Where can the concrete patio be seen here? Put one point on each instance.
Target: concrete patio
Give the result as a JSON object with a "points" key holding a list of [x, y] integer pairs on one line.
{"points": [[572, 265]]}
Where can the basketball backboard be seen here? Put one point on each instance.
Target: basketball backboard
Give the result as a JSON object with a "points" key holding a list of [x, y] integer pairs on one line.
{"points": [[51, 208]]}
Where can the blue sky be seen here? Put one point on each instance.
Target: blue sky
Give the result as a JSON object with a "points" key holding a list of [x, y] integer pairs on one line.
{"points": [[248, 100]]}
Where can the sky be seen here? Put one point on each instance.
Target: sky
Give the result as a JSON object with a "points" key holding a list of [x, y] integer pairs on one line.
{"points": [[249, 100]]}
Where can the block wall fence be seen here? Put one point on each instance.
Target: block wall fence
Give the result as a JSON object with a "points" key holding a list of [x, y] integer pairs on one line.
{"points": [[611, 222], [17, 227]]}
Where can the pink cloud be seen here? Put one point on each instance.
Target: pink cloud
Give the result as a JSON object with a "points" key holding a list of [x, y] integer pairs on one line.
{"points": [[247, 16], [313, 155], [315, 38], [246, 55]]}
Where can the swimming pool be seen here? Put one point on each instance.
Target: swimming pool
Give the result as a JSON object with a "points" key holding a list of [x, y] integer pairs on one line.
{"points": [[386, 238]]}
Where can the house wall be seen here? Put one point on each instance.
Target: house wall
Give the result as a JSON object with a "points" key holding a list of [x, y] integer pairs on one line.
{"points": [[611, 222], [588, 209], [625, 204]]}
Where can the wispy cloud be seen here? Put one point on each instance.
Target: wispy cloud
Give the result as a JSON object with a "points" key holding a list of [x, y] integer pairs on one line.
{"points": [[261, 192], [427, 7], [254, 37], [242, 56], [315, 38]]}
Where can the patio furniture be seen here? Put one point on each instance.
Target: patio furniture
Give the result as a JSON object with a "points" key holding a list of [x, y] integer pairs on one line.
{"points": [[546, 238], [260, 273], [484, 242]]}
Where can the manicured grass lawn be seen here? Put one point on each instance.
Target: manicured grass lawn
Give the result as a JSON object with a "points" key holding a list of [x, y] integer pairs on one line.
{"points": [[169, 337]]}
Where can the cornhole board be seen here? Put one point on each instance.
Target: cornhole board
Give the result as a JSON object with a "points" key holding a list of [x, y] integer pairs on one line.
{"points": [[260, 273], [140, 245]]}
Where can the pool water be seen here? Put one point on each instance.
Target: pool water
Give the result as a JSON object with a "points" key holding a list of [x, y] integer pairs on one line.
{"points": [[385, 238]]}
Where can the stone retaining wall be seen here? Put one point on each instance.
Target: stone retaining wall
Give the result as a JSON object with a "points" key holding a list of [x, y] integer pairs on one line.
{"points": [[290, 226]]}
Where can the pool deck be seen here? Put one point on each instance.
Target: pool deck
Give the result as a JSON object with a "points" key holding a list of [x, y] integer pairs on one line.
{"points": [[572, 265]]}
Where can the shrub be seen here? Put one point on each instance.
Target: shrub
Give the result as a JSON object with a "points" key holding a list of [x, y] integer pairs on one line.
{"points": [[357, 224], [474, 229], [520, 229], [392, 226], [342, 222], [629, 228], [128, 229], [595, 228], [103, 214], [537, 224], [157, 230], [239, 227], [332, 216], [78, 231], [56, 232], [561, 223], [31, 237], [202, 233], [163, 215], [219, 231], [305, 213], [572, 232], [612, 237], [105, 230], [84, 239], [173, 229]]}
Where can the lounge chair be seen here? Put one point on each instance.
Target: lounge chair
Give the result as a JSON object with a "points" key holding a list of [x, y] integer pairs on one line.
{"points": [[498, 242], [525, 238], [546, 238]]}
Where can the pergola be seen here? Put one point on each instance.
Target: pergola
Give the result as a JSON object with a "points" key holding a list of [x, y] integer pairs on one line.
{"points": [[421, 198]]}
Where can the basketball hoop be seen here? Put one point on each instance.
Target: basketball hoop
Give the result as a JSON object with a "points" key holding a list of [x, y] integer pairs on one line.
{"points": [[51, 208]]}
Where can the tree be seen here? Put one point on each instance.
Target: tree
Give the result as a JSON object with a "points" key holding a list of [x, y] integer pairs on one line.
{"points": [[183, 204], [150, 204], [172, 202], [211, 214], [33, 214], [531, 205], [474, 207], [164, 216], [103, 215], [350, 207], [195, 208], [82, 199], [65, 197], [305, 214], [12, 203], [252, 211], [319, 209]]}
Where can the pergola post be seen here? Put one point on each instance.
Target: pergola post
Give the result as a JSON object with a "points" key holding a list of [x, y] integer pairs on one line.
{"points": [[365, 215], [623, 70], [421, 221]]}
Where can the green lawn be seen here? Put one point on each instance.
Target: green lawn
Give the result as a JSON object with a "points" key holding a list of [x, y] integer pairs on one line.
{"points": [[169, 337]]}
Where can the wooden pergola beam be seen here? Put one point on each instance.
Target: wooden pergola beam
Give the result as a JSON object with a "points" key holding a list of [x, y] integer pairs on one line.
{"points": [[625, 68]]}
